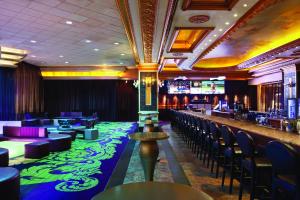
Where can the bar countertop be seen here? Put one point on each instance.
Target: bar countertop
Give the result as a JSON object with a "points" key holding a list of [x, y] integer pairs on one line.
{"points": [[272, 133]]}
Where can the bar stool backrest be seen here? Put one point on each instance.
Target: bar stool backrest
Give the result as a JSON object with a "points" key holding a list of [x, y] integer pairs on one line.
{"points": [[215, 130], [205, 125], [246, 144], [283, 157], [228, 136]]}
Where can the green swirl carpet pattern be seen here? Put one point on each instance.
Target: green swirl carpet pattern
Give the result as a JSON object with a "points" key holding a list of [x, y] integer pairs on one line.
{"points": [[80, 172]]}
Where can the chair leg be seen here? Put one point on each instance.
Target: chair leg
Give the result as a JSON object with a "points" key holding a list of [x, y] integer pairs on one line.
{"points": [[252, 192], [212, 165], [231, 177], [241, 184], [218, 166]]}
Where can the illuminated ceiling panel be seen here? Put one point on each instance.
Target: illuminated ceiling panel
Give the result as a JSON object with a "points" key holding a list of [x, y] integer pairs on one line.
{"points": [[272, 28], [208, 4], [186, 39]]}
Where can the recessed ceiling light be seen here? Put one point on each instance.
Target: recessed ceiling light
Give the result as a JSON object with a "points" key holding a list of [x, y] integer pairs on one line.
{"points": [[122, 54], [297, 47], [235, 15], [96, 49], [67, 62], [88, 41], [245, 5], [116, 43], [32, 41], [33, 56], [61, 56], [209, 40], [227, 23], [69, 22], [121, 63], [202, 48], [220, 29], [215, 35]]}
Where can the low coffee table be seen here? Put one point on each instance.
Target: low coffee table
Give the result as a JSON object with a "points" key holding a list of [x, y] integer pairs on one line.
{"points": [[149, 150]]}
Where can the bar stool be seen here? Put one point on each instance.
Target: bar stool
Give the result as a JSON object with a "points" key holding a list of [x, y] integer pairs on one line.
{"points": [[256, 166], [232, 155], [205, 138], [285, 169], [218, 145]]}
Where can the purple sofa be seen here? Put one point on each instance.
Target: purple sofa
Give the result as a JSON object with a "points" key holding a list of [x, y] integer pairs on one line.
{"points": [[25, 132]]}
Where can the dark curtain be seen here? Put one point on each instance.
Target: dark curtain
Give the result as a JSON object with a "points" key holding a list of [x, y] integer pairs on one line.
{"points": [[29, 89], [113, 100], [7, 94]]}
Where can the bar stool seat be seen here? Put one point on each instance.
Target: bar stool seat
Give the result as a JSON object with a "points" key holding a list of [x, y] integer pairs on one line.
{"points": [[259, 162]]}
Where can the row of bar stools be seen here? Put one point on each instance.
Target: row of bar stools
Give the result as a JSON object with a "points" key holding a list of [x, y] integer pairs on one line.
{"points": [[237, 155]]}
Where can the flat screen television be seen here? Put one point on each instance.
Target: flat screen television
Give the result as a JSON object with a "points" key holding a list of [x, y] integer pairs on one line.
{"points": [[196, 87], [179, 87]]}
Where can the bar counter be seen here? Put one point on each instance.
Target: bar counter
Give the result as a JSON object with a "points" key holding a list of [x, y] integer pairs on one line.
{"points": [[261, 134]]}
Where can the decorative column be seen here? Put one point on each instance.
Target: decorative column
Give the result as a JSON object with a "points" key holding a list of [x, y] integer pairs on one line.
{"points": [[148, 94]]}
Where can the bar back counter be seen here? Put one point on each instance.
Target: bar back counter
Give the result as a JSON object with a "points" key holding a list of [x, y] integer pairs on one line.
{"points": [[261, 134]]}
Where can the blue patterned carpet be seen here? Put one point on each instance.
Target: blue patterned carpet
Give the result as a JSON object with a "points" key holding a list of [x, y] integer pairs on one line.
{"points": [[80, 172]]}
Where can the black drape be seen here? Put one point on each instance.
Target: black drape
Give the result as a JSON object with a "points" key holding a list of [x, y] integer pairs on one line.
{"points": [[113, 100], [7, 94]]}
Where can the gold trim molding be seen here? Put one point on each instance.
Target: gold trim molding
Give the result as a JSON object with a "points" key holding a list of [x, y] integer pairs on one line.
{"points": [[147, 10], [127, 22]]}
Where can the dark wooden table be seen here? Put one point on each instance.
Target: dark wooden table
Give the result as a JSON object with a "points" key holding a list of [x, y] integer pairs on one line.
{"points": [[152, 191], [149, 150]]}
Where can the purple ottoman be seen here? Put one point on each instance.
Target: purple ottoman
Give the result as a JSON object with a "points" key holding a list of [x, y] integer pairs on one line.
{"points": [[4, 157], [9, 183], [37, 149], [59, 142]]}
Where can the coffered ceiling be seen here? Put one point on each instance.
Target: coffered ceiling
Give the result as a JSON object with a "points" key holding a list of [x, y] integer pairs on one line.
{"points": [[175, 35], [65, 32]]}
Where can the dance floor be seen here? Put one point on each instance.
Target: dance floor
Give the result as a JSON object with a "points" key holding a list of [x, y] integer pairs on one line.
{"points": [[80, 172]]}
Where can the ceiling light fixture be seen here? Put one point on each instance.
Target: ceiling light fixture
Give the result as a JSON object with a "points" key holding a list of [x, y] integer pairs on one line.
{"points": [[88, 41], [67, 62], [33, 56], [96, 49], [32, 41], [210, 40], [121, 63], [205, 44], [116, 43], [220, 30], [122, 54], [11, 56], [215, 35], [61, 56], [235, 15], [69, 22], [245, 5], [227, 23]]}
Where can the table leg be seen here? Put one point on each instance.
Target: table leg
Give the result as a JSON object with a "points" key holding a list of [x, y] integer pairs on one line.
{"points": [[148, 154]]}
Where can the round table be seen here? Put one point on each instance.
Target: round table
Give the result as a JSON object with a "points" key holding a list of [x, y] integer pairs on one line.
{"points": [[152, 191], [149, 150]]}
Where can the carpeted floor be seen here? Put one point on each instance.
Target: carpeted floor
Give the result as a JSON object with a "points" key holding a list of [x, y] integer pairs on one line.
{"points": [[80, 172]]}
